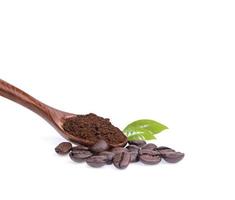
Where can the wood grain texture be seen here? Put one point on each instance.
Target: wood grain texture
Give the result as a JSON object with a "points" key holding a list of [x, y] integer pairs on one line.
{"points": [[53, 116]]}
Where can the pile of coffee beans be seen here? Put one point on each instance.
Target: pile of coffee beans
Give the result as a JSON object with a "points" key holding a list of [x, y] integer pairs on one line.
{"points": [[101, 154]]}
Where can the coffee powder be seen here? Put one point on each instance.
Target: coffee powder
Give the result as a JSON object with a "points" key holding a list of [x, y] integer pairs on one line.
{"points": [[93, 128]]}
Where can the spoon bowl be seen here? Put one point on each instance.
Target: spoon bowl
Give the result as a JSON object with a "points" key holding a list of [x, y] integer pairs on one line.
{"points": [[53, 116]]}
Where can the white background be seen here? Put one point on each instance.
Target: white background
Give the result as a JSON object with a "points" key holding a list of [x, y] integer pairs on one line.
{"points": [[172, 61]]}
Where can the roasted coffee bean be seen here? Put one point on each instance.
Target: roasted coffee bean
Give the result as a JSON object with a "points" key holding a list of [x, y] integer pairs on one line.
{"points": [[99, 154], [139, 143], [118, 150], [122, 160], [79, 147], [173, 157], [134, 156], [149, 156], [63, 148], [99, 146], [150, 159], [109, 156], [149, 152], [96, 161], [164, 150], [133, 147], [79, 156], [150, 146]]}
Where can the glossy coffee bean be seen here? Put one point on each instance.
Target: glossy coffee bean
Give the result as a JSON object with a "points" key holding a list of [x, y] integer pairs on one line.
{"points": [[173, 157], [134, 156], [79, 156], [139, 143], [79, 147], [149, 152], [118, 150], [150, 146], [109, 156], [149, 156], [63, 148], [99, 146], [122, 160], [133, 147], [96, 161], [150, 159], [164, 150]]}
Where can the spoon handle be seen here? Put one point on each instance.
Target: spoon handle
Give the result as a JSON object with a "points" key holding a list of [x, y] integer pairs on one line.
{"points": [[15, 94]]}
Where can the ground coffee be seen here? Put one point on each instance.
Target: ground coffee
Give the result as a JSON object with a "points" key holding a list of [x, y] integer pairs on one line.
{"points": [[93, 128]]}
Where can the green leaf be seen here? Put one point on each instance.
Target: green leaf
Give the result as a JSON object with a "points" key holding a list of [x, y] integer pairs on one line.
{"points": [[143, 129], [141, 137], [139, 134]]}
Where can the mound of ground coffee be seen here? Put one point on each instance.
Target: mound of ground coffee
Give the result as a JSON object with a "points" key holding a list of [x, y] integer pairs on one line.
{"points": [[93, 128]]}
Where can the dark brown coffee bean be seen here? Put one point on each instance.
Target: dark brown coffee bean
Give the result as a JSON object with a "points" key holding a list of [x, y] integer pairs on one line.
{"points": [[118, 150], [133, 147], [173, 157], [134, 156], [109, 155], [79, 156], [150, 146], [96, 161], [122, 160], [150, 159], [99, 146], [149, 152], [63, 148], [164, 148], [139, 143], [164, 151], [149, 156], [79, 147]]}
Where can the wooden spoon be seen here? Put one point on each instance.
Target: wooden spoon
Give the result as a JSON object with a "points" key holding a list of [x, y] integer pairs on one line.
{"points": [[53, 116]]}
